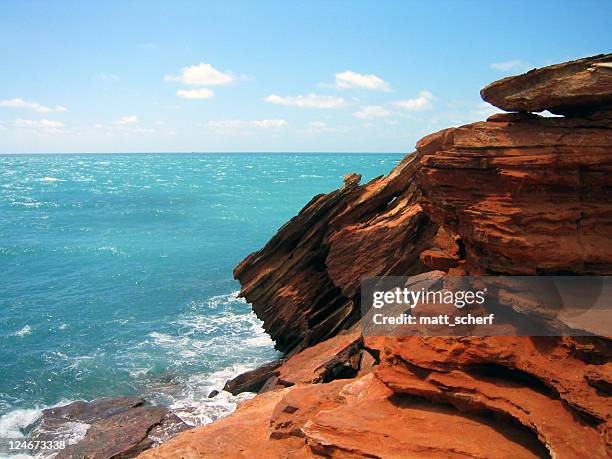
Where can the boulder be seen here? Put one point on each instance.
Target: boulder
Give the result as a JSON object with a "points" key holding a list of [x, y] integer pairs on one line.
{"points": [[336, 358], [575, 88], [253, 380], [112, 427], [126, 434]]}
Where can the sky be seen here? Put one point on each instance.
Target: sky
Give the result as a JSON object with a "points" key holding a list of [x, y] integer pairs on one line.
{"points": [[268, 76]]}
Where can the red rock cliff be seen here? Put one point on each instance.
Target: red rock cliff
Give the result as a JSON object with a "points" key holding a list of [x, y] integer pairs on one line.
{"points": [[516, 194]]}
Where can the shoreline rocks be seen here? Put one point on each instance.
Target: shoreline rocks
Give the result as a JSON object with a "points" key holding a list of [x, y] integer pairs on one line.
{"points": [[516, 194], [106, 427], [254, 380]]}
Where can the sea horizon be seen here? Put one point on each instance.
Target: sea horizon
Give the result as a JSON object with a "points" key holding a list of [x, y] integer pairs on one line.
{"points": [[208, 152]]}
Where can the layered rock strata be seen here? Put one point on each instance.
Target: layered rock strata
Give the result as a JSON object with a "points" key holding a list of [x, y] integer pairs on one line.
{"points": [[516, 194], [118, 427]]}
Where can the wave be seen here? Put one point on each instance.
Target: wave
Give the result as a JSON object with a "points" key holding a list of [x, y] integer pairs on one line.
{"points": [[13, 422], [22, 332], [52, 179], [226, 331], [194, 407], [213, 340]]}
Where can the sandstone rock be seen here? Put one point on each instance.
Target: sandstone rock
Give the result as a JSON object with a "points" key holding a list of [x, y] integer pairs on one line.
{"points": [[70, 422], [243, 434], [335, 358], [524, 197], [375, 422], [528, 393], [253, 380], [123, 435], [508, 396], [348, 419], [517, 194], [600, 377], [545, 362], [90, 412], [304, 283], [572, 88], [117, 427]]}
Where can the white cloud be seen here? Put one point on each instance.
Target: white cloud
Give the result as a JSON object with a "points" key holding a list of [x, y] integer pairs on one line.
{"points": [[372, 111], [202, 75], [236, 125], [514, 64], [39, 123], [41, 126], [316, 127], [422, 102], [308, 101], [351, 79], [143, 131], [127, 120], [105, 77], [20, 103], [199, 93], [269, 123]]}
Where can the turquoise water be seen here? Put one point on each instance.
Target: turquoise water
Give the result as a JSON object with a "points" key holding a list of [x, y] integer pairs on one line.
{"points": [[117, 271]]}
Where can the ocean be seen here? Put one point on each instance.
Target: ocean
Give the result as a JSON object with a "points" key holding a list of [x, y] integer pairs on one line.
{"points": [[116, 272]]}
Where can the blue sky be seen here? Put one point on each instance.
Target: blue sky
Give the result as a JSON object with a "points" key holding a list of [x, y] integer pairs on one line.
{"points": [[151, 76]]}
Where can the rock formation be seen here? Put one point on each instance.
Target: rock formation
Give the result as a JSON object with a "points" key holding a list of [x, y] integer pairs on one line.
{"points": [[580, 87], [117, 427], [516, 194]]}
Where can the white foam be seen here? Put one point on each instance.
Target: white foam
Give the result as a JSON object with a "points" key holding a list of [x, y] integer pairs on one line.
{"points": [[194, 407], [162, 338], [24, 331], [52, 179], [224, 329], [70, 431], [12, 423], [111, 249]]}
